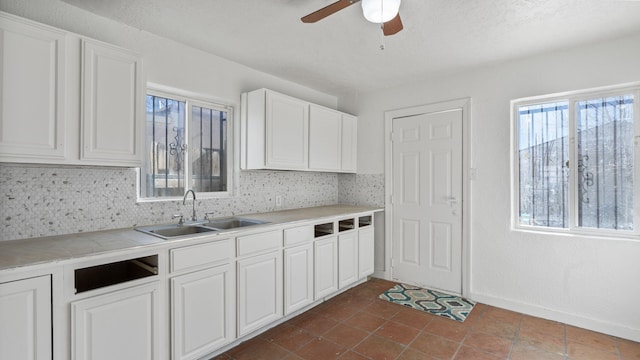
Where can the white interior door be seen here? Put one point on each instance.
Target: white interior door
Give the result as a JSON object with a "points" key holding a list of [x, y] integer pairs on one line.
{"points": [[427, 198]]}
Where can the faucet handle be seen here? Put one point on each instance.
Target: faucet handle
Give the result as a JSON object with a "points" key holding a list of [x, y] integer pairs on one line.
{"points": [[181, 221], [206, 215]]}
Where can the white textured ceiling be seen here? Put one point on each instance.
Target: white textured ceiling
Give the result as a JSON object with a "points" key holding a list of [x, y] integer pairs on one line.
{"points": [[341, 54]]}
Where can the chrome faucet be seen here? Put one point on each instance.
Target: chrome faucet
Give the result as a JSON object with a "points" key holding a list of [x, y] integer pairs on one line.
{"points": [[184, 202]]}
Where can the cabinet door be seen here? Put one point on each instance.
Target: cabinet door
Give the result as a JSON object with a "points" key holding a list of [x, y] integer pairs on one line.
{"points": [[325, 127], [298, 277], [287, 130], [366, 246], [32, 94], [326, 267], [259, 291], [118, 325], [112, 98], [202, 312], [347, 258], [349, 146], [25, 319]]}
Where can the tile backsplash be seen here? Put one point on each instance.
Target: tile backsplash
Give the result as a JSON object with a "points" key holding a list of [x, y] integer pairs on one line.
{"points": [[43, 201], [361, 189]]}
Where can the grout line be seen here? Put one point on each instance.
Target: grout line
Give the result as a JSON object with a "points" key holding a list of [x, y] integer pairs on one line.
{"points": [[516, 338], [566, 345]]}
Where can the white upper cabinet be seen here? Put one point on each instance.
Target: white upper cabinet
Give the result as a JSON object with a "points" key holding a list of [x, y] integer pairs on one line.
{"points": [[284, 133], [275, 130], [287, 124], [32, 97], [66, 99], [324, 138], [111, 104], [333, 140], [349, 146]]}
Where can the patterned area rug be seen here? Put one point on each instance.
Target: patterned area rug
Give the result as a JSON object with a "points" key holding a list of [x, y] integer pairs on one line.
{"points": [[431, 301]]}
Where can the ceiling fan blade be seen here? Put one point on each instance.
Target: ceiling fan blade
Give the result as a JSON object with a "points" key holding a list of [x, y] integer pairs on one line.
{"points": [[392, 26], [327, 10]]}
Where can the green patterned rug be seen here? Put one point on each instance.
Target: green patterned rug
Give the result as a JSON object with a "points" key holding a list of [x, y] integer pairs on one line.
{"points": [[431, 301]]}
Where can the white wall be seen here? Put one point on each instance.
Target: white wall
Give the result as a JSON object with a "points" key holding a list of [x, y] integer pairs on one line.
{"points": [[589, 282]]}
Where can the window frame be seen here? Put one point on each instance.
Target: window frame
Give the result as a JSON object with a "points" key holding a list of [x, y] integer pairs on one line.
{"points": [[572, 98], [193, 99]]}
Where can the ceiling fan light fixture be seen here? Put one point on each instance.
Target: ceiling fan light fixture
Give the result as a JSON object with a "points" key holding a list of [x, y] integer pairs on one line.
{"points": [[380, 11]]}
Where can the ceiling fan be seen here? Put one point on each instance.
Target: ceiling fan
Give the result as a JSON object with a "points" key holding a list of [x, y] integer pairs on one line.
{"points": [[384, 12]]}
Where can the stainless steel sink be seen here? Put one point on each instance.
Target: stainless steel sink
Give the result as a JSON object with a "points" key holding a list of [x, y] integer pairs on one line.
{"points": [[171, 231], [232, 223], [175, 230]]}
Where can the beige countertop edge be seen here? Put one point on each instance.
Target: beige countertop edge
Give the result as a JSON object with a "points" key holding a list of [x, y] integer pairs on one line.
{"points": [[51, 249]]}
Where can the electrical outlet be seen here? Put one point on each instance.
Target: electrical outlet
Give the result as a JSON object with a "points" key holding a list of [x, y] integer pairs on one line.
{"points": [[278, 201]]}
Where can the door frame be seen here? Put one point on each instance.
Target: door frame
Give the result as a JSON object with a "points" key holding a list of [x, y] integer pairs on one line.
{"points": [[467, 175]]}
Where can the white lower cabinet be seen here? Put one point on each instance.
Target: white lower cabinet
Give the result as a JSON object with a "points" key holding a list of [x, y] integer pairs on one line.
{"points": [[347, 258], [259, 291], [325, 266], [117, 325], [298, 277], [202, 312], [25, 319], [366, 247]]}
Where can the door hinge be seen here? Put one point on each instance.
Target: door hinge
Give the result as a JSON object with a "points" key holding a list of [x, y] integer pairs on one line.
{"points": [[392, 199], [391, 138], [393, 262]]}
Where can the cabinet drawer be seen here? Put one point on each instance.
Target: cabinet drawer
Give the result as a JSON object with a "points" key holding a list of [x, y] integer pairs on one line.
{"points": [[298, 235], [261, 242], [199, 255]]}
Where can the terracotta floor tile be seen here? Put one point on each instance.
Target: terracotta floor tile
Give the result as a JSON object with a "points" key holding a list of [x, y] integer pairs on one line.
{"points": [[346, 335], [447, 328], [467, 353], [316, 324], [289, 337], [321, 349], [355, 325], [383, 308], [414, 318], [530, 323], [543, 341], [397, 332], [495, 327], [365, 321], [435, 345], [350, 355], [524, 351], [413, 354], [261, 350], [379, 348], [590, 338], [292, 356], [628, 349], [503, 315], [340, 311], [489, 343], [580, 351]]}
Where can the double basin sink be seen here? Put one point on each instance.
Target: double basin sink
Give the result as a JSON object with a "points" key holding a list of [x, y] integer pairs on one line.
{"points": [[175, 230]]}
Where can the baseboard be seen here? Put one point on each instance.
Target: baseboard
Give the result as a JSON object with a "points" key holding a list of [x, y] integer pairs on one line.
{"points": [[567, 318]]}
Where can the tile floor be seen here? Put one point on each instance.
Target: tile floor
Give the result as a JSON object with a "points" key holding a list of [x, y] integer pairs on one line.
{"points": [[357, 325]]}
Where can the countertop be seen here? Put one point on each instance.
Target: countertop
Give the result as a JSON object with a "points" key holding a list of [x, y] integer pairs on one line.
{"points": [[27, 252]]}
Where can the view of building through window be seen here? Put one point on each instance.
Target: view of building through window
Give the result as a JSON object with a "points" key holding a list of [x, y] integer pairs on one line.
{"points": [[602, 180], [180, 142]]}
